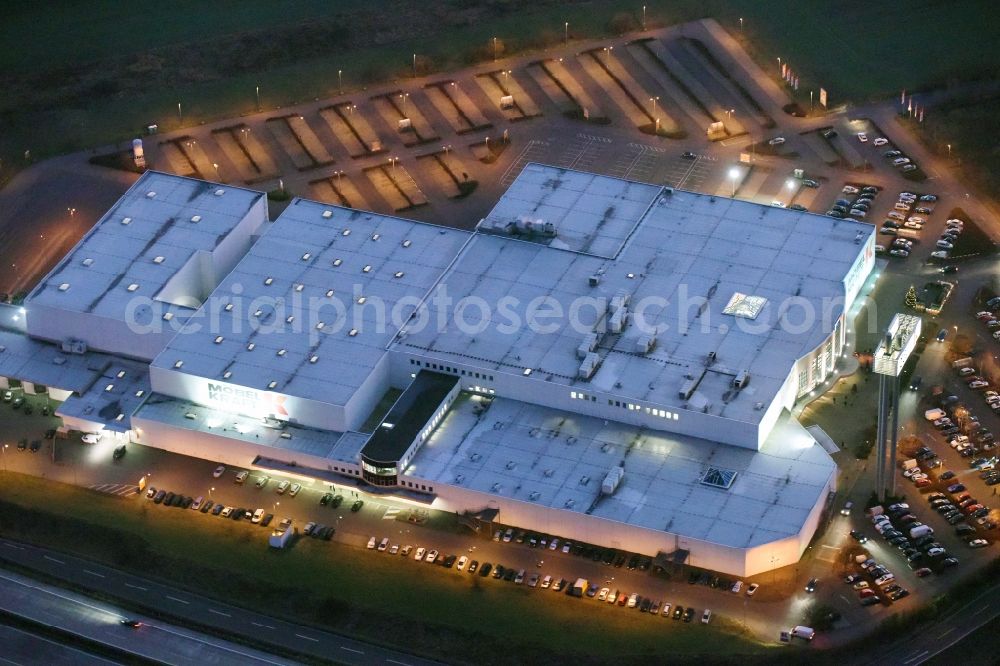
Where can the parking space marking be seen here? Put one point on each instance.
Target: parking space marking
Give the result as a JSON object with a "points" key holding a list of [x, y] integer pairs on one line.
{"points": [[264, 626], [308, 638], [94, 573], [137, 587], [178, 600], [393, 661], [945, 633], [52, 559], [534, 151], [828, 553], [346, 648], [212, 610], [390, 513]]}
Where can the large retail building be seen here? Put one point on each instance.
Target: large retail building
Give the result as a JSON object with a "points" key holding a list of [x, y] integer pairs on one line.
{"points": [[610, 361]]}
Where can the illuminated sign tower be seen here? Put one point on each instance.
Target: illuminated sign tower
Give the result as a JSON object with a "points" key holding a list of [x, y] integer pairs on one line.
{"points": [[890, 357]]}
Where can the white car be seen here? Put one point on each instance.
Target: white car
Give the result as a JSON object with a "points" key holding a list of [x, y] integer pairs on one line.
{"points": [[90, 438], [900, 161], [882, 580], [978, 543], [752, 589], [462, 561], [934, 552], [955, 221], [706, 617], [907, 195], [917, 219], [282, 487], [913, 225], [893, 215], [219, 471], [939, 254], [944, 245], [850, 189], [776, 141], [371, 543], [242, 476], [862, 137], [899, 253], [294, 490], [880, 141], [431, 556], [419, 555], [979, 384], [778, 204], [258, 515], [737, 586], [553, 544]]}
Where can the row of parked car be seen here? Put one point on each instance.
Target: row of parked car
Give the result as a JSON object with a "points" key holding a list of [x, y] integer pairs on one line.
{"points": [[608, 556], [581, 588], [207, 506], [907, 218], [863, 198]]}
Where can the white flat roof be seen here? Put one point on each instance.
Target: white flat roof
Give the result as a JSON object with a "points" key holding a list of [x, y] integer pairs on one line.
{"points": [[143, 240], [593, 214], [188, 415], [115, 393], [558, 459], [309, 251], [43, 363], [687, 247]]}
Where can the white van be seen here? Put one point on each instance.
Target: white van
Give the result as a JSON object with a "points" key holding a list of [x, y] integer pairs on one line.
{"points": [[934, 414], [805, 633], [902, 206]]}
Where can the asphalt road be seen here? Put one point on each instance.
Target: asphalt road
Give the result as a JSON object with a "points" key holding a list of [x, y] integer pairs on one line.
{"points": [[101, 622], [937, 636], [24, 648], [278, 635]]}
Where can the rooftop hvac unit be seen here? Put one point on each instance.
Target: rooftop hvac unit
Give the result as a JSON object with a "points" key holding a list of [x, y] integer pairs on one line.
{"points": [[618, 320], [645, 344], [689, 386], [611, 481], [621, 299], [589, 365], [587, 346], [742, 379], [526, 224], [74, 346]]}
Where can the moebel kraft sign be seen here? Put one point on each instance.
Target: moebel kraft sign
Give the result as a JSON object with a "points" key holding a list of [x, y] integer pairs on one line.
{"points": [[236, 398]]}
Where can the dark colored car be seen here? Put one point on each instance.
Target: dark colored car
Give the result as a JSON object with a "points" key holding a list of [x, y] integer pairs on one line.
{"points": [[335, 502], [325, 499], [357, 505], [206, 506], [217, 509], [485, 571], [679, 612], [689, 614]]}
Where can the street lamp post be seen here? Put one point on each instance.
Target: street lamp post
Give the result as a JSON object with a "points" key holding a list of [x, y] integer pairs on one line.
{"points": [[734, 173], [403, 97], [180, 116], [340, 82], [566, 32], [949, 151], [494, 49], [414, 65], [258, 97], [741, 26], [216, 166], [644, 17]]}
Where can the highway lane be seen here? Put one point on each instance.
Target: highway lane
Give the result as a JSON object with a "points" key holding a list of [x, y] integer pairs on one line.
{"points": [[101, 622], [276, 634], [935, 637], [24, 649]]}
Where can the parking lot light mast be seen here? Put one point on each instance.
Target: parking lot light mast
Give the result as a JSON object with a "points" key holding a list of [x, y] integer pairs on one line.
{"points": [[340, 82], [180, 116], [734, 173], [494, 49], [644, 17], [566, 32], [258, 96]]}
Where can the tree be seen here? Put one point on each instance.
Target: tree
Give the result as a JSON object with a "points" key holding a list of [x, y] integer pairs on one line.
{"points": [[911, 297]]}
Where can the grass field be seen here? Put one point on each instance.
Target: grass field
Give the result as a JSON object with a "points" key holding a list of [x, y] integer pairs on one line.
{"points": [[79, 74], [964, 124], [432, 610]]}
